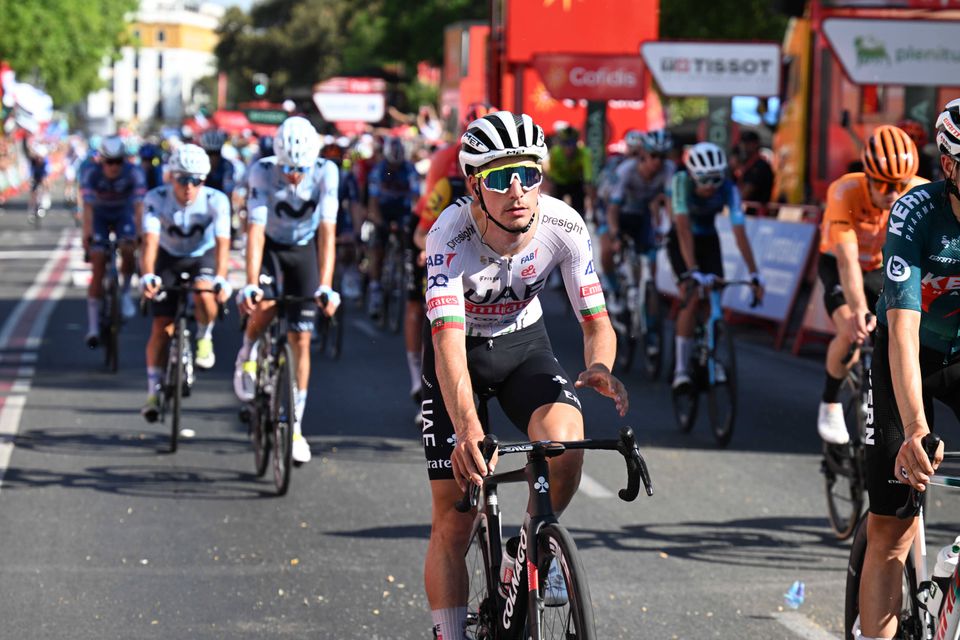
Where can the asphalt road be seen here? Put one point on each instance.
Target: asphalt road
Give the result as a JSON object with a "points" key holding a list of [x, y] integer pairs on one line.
{"points": [[106, 536]]}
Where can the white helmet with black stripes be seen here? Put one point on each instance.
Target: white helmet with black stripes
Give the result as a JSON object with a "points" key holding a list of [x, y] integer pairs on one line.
{"points": [[497, 135], [948, 130], [705, 159]]}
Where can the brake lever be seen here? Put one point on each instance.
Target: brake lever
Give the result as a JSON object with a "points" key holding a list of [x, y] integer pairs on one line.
{"points": [[636, 467], [930, 442], [471, 497]]}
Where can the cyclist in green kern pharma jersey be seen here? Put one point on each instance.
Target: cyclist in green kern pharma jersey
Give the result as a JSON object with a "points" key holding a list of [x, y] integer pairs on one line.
{"points": [[916, 358]]}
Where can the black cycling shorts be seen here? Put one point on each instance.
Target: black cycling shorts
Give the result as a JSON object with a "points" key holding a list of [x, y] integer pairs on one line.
{"points": [[393, 214], [833, 298], [299, 275], [519, 369], [639, 227], [169, 267], [884, 428], [706, 251], [415, 274]]}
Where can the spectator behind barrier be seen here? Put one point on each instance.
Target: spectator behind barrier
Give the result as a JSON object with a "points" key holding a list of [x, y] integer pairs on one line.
{"points": [[754, 175]]}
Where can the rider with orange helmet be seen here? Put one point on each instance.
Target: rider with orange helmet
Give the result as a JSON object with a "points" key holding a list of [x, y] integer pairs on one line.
{"points": [[852, 235]]}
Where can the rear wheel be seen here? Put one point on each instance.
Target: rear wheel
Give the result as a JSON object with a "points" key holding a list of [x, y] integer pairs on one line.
{"points": [[482, 586], [842, 479], [722, 391], [912, 621], [282, 418], [574, 619]]}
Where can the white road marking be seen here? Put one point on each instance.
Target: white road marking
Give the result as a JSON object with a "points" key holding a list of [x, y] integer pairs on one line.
{"points": [[366, 328], [593, 488], [24, 255], [802, 626], [11, 406]]}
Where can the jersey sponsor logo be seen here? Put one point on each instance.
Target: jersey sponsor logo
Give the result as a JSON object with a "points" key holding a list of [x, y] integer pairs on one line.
{"points": [[440, 280], [902, 207], [286, 209], [464, 235], [588, 290], [529, 271], [501, 309], [426, 408], [505, 294], [567, 225], [897, 269], [933, 286], [194, 229], [438, 260], [475, 142], [530, 256], [439, 464], [442, 301], [514, 587], [572, 397], [942, 259], [590, 269]]}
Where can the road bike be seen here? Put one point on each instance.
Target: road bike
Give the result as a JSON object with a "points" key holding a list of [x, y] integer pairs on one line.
{"points": [[844, 465], [638, 318], [393, 281], [914, 621], [178, 377], [110, 305], [521, 607], [329, 329], [712, 367], [271, 414]]}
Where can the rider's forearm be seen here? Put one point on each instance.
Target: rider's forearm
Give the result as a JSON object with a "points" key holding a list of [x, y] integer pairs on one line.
{"points": [[255, 241], [148, 253], [851, 277], [138, 216], [613, 218], [454, 379], [223, 257], [685, 240], [904, 355], [743, 244], [599, 343], [327, 252]]}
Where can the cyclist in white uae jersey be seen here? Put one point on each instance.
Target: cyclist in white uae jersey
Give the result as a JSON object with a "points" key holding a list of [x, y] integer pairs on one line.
{"points": [[488, 257], [186, 229], [292, 205]]}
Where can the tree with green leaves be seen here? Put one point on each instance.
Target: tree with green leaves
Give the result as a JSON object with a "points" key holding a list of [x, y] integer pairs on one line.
{"points": [[60, 45]]}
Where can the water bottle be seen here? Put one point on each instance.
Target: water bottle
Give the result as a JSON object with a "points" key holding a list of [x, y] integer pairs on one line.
{"points": [[942, 572], [507, 564]]}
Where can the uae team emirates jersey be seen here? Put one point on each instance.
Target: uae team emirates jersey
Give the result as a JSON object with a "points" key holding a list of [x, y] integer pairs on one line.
{"points": [[472, 287]]}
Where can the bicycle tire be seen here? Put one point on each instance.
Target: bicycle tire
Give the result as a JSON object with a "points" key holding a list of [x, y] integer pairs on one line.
{"points": [[260, 417], [177, 383], [575, 618], [685, 400], [653, 364], [283, 410], [113, 339], [843, 481], [387, 284], [722, 396], [337, 323], [911, 617], [482, 620], [395, 309]]}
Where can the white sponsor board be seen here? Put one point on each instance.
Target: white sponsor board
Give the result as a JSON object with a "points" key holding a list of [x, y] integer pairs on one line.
{"points": [[714, 68], [350, 107], [903, 52]]}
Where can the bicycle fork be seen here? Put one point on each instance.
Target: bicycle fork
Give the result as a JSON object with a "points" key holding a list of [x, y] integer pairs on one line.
{"points": [[716, 314]]}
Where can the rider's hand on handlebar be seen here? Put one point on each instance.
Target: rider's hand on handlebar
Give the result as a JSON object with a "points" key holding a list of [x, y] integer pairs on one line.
{"points": [[467, 459], [327, 299], [758, 286], [150, 284], [859, 326], [913, 466], [223, 289], [248, 297], [599, 378]]}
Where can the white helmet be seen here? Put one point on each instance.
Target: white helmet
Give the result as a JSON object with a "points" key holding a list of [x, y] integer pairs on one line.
{"points": [[948, 130], [297, 143], [633, 139], [189, 159], [705, 159], [112, 148], [501, 134]]}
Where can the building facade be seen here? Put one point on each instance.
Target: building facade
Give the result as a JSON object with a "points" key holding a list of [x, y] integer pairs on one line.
{"points": [[153, 83]]}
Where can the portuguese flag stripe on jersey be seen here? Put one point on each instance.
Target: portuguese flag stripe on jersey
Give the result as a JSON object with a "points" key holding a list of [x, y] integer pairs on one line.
{"points": [[446, 322], [594, 312]]}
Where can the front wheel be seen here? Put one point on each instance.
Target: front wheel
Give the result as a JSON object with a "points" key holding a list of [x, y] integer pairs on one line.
{"points": [[626, 340], [653, 335], [482, 585], [175, 381], [686, 399], [284, 410], [913, 622], [722, 393], [574, 617]]}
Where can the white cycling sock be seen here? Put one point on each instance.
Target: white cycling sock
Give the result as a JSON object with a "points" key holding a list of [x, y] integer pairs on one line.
{"points": [[300, 403], [683, 353], [205, 331], [414, 364], [154, 375], [448, 623], [93, 315]]}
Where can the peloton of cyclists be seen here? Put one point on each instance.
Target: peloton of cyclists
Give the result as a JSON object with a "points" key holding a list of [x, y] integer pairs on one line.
{"points": [[852, 234], [292, 216], [186, 229]]}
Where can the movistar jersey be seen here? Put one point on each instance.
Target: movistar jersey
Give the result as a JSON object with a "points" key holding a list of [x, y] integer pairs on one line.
{"points": [[190, 230], [113, 198], [472, 288], [922, 265], [703, 211], [291, 214]]}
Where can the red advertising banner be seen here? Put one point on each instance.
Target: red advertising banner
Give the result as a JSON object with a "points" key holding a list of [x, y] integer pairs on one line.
{"points": [[587, 26], [586, 77]]}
